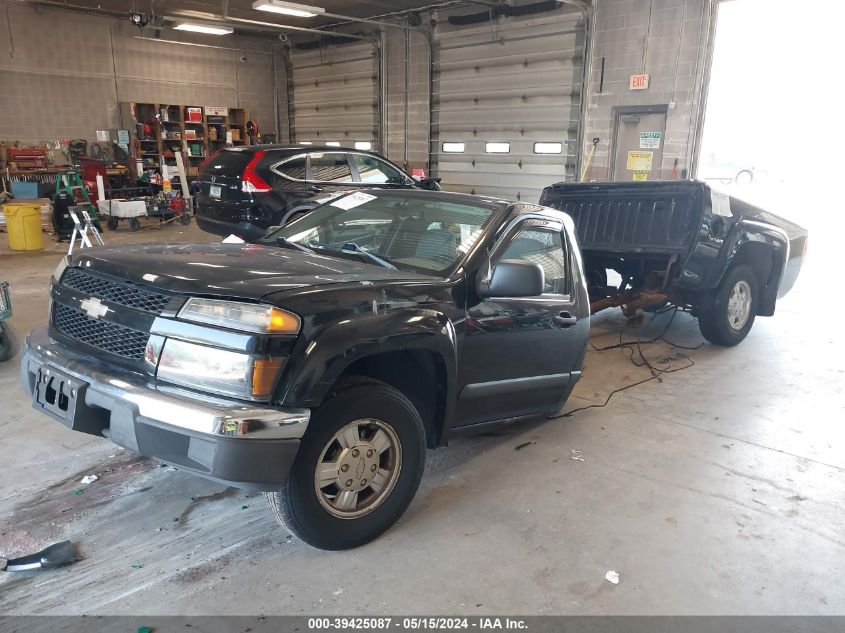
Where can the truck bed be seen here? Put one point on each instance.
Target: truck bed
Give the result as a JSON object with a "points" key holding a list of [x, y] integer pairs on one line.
{"points": [[627, 218]]}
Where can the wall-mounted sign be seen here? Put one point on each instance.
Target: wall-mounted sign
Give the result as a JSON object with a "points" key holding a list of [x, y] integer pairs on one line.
{"points": [[216, 111], [640, 161], [649, 140], [638, 82], [640, 175]]}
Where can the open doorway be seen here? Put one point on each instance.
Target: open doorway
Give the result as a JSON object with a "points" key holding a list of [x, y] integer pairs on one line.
{"points": [[770, 133]]}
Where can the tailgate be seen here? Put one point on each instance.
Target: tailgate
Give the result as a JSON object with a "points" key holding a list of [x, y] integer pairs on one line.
{"points": [[658, 217], [220, 196]]}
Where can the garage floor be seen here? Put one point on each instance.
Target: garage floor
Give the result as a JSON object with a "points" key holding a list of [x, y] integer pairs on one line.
{"points": [[716, 491]]}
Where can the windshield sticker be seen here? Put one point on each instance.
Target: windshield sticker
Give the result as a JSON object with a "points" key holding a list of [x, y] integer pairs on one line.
{"points": [[721, 203], [233, 239], [325, 199], [353, 200]]}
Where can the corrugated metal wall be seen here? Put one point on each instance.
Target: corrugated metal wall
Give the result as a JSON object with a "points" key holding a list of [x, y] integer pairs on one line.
{"points": [[515, 81], [335, 94]]}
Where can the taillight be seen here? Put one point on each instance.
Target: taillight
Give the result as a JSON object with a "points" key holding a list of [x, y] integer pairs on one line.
{"points": [[251, 182], [207, 160]]}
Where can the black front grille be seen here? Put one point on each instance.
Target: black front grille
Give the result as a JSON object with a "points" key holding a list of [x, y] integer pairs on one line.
{"points": [[109, 337], [124, 293]]}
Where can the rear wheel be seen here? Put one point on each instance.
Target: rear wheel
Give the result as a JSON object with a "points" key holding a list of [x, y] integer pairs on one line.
{"points": [[727, 314], [184, 219], [9, 341], [295, 216], [112, 223], [134, 224], [357, 469], [744, 177]]}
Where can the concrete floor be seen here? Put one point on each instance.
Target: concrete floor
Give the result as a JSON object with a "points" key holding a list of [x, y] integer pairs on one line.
{"points": [[718, 490]]}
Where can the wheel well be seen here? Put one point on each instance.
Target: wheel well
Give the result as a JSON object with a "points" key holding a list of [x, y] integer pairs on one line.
{"points": [[420, 375], [759, 257]]}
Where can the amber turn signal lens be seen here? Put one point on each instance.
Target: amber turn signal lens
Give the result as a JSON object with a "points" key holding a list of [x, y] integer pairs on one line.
{"points": [[264, 375], [282, 322]]}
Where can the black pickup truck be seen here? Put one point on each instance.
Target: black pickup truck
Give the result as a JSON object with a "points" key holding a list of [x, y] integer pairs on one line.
{"points": [[682, 242], [319, 363]]}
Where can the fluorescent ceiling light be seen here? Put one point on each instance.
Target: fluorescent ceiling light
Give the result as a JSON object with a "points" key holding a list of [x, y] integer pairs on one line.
{"points": [[333, 143], [548, 148], [453, 148], [305, 143], [497, 148], [287, 8], [208, 29], [365, 145]]}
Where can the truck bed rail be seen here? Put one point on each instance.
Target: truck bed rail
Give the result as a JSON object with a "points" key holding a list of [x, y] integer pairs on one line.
{"points": [[658, 217]]}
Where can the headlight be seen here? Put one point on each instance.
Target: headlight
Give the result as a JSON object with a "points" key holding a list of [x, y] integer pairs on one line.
{"points": [[250, 317], [218, 370], [60, 268]]}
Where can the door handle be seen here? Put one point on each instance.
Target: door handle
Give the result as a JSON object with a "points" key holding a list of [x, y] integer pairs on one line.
{"points": [[315, 188], [564, 320]]}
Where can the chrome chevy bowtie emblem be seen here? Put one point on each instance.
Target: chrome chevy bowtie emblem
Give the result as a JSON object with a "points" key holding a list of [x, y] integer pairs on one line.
{"points": [[93, 307]]}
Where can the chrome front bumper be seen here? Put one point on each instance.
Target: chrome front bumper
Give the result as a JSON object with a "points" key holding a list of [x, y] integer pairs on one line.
{"points": [[245, 445]]}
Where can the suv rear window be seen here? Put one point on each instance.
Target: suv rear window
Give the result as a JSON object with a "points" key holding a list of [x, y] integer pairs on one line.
{"points": [[227, 163], [330, 167]]}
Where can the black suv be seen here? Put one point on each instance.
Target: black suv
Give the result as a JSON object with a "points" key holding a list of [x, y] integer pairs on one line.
{"points": [[246, 190]]}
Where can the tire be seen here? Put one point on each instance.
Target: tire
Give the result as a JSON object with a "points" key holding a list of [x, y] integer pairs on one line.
{"points": [[295, 216], [718, 320], [184, 219], [308, 509], [9, 341], [112, 223], [134, 224], [596, 281], [744, 177]]}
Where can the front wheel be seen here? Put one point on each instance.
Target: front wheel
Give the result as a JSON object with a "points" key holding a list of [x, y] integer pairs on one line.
{"points": [[727, 314], [9, 341], [357, 469]]}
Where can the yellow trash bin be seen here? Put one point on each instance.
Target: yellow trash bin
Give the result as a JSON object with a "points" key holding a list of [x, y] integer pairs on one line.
{"points": [[23, 222]]}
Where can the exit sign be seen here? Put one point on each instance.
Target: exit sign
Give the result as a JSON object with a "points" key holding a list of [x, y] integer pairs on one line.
{"points": [[639, 82]]}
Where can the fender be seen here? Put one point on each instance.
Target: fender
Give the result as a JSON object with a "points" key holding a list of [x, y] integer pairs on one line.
{"points": [[763, 247], [268, 210], [312, 371]]}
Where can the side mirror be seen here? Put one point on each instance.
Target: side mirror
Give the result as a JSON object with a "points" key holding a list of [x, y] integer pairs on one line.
{"points": [[432, 184], [513, 278], [272, 229]]}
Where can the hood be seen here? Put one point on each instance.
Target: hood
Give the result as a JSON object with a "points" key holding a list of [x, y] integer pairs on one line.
{"points": [[247, 271]]}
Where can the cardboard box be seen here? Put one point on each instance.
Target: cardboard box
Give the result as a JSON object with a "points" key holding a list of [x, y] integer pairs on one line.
{"points": [[236, 134], [193, 115], [190, 134]]}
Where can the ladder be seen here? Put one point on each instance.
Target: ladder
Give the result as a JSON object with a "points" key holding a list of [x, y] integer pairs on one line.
{"points": [[71, 182], [81, 230]]}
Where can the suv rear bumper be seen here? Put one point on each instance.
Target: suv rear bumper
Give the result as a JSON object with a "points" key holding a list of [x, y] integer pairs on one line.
{"points": [[246, 446], [249, 232]]}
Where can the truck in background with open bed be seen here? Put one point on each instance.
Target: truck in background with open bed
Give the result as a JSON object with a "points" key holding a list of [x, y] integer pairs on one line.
{"points": [[682, 242]]}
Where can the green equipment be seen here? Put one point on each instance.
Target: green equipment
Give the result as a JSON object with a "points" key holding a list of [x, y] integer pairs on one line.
{"points": [[70, 182]]}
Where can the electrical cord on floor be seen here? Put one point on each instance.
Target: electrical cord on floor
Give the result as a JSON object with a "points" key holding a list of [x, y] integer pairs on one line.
{"points": [[630, 346]]}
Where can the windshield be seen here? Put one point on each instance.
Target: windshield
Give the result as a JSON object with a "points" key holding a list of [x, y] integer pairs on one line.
{"points": [[417, 233]]}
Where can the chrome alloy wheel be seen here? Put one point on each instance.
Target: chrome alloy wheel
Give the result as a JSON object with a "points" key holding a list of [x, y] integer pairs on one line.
{"points": [[739, 305], [358, 468]]}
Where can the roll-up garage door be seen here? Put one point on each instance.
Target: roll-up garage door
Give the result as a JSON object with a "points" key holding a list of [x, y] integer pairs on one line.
{"points": [[335, 94], [507, 103]]}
